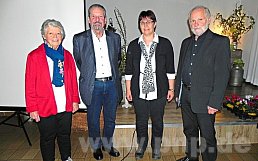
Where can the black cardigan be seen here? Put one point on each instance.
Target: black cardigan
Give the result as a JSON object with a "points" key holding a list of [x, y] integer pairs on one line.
{"points": [[164, 56]]}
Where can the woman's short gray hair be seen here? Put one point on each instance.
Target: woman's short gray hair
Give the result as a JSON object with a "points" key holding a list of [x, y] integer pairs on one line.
{"points": [[206, 11], [53, 23]]}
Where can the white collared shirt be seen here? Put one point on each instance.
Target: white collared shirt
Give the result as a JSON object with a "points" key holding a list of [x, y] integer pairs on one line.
{"points": [[103, 68], [59, 92], [152, 95]]}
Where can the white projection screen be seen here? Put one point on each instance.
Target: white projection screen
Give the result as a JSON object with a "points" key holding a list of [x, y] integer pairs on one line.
{"points": [[21, 21]]}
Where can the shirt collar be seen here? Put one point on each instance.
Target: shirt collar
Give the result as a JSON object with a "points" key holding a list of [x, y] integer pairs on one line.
{"points": [[155, 39], [95, 37], [202, 35]]}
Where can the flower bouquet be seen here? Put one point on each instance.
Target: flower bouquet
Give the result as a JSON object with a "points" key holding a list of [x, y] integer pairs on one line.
{"points": [[244, 108], [237, 24]]}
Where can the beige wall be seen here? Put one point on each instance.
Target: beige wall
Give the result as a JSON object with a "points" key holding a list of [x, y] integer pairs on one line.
{"points": [[172, 16]]}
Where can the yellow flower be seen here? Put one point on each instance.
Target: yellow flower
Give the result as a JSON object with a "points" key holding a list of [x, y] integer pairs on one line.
{"points": [[237, 24], [230, 106], [251, 114]]}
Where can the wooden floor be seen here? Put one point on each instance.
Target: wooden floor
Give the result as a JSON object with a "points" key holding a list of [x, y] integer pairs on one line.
{"points": [[14, 146], [126, 116]]}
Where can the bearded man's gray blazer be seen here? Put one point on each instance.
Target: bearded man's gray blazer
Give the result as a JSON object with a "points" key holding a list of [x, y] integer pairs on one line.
{"points": [[84, 55]]}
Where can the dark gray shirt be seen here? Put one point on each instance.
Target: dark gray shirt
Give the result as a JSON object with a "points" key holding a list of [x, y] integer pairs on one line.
{"points": [[192, 51]]}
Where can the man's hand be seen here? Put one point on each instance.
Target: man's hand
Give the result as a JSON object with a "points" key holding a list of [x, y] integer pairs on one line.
{"points": [[212, 110]]}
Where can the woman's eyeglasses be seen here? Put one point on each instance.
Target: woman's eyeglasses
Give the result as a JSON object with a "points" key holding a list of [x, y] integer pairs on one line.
{"points": [[142, 23]]}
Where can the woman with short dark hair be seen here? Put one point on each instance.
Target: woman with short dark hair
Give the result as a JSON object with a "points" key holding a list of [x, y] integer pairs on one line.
{"points": [[149, 78]]}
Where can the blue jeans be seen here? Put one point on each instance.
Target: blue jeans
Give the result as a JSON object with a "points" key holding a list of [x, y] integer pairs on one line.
{"points": [[104, 95]]}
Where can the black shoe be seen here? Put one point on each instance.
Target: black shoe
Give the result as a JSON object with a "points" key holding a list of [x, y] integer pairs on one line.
{"points": [[113, 151], [187, 159], [156, 154], [98, 155], [139, 153]]}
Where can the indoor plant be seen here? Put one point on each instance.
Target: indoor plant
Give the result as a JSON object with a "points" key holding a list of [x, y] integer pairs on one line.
{"points": [[239, 62], [122, 31], [244, 108], [237, 24]]}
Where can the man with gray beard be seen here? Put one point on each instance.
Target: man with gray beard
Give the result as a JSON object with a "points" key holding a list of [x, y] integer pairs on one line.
{"points": [[201, 81], [97, 53]]}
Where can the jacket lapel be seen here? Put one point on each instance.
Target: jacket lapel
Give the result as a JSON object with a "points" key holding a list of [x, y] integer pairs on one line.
{"points": [[110, 48], [205, 44], [89, 42], [88, 47], [44, 68], [185, 49]]}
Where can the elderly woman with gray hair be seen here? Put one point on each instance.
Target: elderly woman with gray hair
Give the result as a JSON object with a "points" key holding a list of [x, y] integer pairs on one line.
{"points": [[51, 91]]}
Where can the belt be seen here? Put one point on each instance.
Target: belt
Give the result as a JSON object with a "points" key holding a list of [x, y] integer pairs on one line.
{"points": [[104, 79], [188, 87]]}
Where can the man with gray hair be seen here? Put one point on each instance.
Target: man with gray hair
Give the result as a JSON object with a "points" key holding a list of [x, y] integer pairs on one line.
{"points": [[201, 81], [97, 53]]}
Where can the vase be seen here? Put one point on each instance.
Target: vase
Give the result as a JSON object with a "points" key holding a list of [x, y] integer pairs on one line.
{"points": [[236, 76], [126, 103]]}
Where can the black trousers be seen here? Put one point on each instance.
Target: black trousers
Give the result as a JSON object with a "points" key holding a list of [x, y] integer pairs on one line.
{"points": [[193, 123], [155, 110], [52, 127]]}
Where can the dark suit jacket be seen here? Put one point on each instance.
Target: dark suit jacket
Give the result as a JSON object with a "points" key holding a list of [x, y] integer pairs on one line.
{"points": [[164, 56], [210, 72], [84, 55]]}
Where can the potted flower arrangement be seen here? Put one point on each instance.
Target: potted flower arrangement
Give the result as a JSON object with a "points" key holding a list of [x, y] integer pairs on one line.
{"points": [[237, 24], [234, 26], [244, 108], [122, 31]]}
